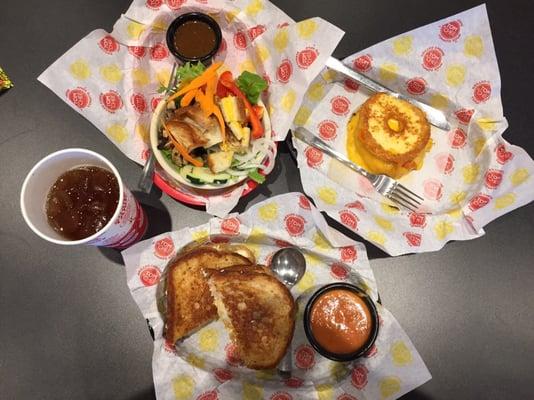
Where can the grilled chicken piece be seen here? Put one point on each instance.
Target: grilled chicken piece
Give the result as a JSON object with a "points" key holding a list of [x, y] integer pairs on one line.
{"points": [[220, 161], [187, 134], [195, 128]]}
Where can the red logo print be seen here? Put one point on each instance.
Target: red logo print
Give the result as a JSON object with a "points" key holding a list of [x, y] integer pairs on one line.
{"points": [[210, 395], [145, 154], [348, 218], [294, 224], [413, 239], [305, 357], [306, 57], [304, 202], [149, 275], [159, 52], [358, 376], [481, 92], [340, 105], [137, 51], [339, 271], [464, 115], [154, 102], [282, 243], [417, 220], [503, 156], [222, 375], [230, 226], [284, 71], [450, 32], [433, 189], [432, 58], [240, 40], [445, 163], [346, 396], [479, 201], [314, 157], [363, 63], [416, 86], [281, 396], [294, 382], [457, 138], [108, 44], [163, 248], [111, 101], [255, 31], [349, 254], [219, 239], [493, 178], [154, 4], [79, 97], [223, 46], [351, 85], [372, 352], [358, 205], [232, 357], [175, 4], [138, 102], [327, 130]]}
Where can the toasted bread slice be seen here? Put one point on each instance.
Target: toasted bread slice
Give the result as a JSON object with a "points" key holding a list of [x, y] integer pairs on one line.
{"points": [[227, 247], [189, 302], [258, 310]]}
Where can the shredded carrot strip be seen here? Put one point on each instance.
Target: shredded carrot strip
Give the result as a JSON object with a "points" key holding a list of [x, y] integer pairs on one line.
{"points": [[181, 149], [188, 98]]}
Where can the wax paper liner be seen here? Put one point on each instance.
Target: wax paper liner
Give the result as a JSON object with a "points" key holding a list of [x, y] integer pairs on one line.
{"points": [[470, 176], [207, 366], [116, 80]]}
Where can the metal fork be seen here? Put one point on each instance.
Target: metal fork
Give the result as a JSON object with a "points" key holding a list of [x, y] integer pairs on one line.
{"points": [[146, 179], [386, 186]]}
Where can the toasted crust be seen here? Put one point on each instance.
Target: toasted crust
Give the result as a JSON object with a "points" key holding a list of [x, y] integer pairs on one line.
{"points": [[189, 302], [258, 310], [374, 132]]}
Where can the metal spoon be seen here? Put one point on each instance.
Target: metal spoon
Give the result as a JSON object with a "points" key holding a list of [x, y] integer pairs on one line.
{"points": [[289, 266]]}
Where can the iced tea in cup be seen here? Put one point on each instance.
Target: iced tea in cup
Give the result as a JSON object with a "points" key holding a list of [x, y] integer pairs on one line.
{"points": [[76, 196]]}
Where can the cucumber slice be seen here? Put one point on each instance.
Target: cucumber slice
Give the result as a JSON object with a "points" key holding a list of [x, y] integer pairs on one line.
{"points": [[202, 175], [186, 170]]}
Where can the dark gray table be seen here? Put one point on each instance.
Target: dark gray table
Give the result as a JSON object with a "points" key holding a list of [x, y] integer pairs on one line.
{"points": [[68, 325]]}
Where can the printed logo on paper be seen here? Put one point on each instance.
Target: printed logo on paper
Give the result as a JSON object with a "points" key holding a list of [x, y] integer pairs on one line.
{"points": [[230, 226], [282, 243], [149, 275], [479, 201], [294, 224], [433, 189], [304, 357], [294, 382], [110, 101], [79, 97], [351, 85], [232, 357], [159, 52], [450, 32], [493, 178], [240, 40], [339, 271], [371, 352], [464, 115], [358, 377], [108, 44], [413, 239], [154, 102], [255, 31], [417, 220], [363, 63], [457, 138], [349, 219], [349, 254], [358, 205], [222, 375], [154, 4], [304, 203], [175, 4], [138, 102], [306, 57], [340, 105], [164, 248], [432, 58], [481, 92], [346, 396], [284, 71], [137, 51], [209, 395], [281, 396], [503, 156], [416, 86], [445, 163], [327, 130], [314, 157]]}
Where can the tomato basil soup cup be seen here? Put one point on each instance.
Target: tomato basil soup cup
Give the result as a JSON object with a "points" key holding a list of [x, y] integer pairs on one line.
{"points": [[127, 225], [365, 302], [194, 37]]}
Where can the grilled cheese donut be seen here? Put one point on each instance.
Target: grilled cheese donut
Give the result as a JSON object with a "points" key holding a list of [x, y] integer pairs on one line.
{"points": [[189, 302], [388, 136], [258, 310]]}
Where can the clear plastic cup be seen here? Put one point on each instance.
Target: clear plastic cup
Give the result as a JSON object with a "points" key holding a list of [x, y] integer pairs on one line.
{"points": [[127, 225]]}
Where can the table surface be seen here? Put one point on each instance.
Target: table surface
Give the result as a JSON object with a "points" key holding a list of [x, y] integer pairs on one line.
{"points": [[68, 325]]}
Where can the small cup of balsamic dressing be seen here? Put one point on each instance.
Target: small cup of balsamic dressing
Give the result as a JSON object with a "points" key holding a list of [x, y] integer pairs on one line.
{"points": [[341, 322], [194, 37]]}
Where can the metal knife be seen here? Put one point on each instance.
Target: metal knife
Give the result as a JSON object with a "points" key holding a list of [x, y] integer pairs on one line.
{"points": [[434, 116]]}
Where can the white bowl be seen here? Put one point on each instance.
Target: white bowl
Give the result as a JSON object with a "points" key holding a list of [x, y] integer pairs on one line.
{"points": [[169, 167]]}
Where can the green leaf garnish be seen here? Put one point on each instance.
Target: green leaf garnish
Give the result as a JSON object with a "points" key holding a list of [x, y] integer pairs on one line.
{"points": [[187, 72], [256, 176], [251, 85]]}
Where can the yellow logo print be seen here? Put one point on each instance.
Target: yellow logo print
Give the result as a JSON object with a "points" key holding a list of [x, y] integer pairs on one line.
{"points": [[402, 45], [288, 100], [247, 65], [183, 387], [268, 212], [400, 353], [320, 241], [208, 339], [388, 209], [470, 173], [439, 101], [252, 391], [327, 195], [388, 72], [281, 38], [140, 77], [303, 114], [455, 75], [338, 371], [376, 237], [312, 259], [195, 360], [163, 76], [383, 223], [142, 131], [443, 229], [479, 145], [254, 7], [262, 52], [135, 30], [111, 73], [306, 28], [265, 374], [316, 91], [117, 132], [200, 236], [325, 392], [519, 176], [79, 69], [329, 75], [458, 198], [486, 124], [389, 386], [307, 281], [473, 46], [504, 201]]}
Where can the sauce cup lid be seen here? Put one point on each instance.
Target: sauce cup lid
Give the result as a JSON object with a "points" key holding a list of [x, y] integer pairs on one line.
{"points": [[374, 318], [193, 16]]}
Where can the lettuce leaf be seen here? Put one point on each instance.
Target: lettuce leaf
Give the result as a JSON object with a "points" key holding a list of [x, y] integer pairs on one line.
{"points": [[251, 85], [187, 72]]}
